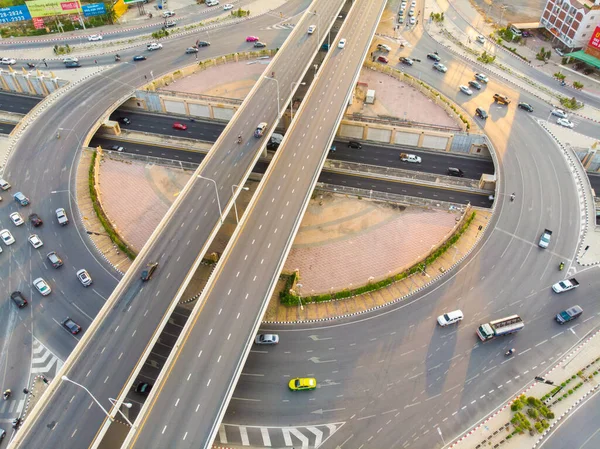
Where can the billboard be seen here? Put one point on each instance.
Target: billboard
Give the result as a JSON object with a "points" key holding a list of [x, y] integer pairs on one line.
{"points": [[95, 9], [14, 14], [595, 40], [49, 8]]}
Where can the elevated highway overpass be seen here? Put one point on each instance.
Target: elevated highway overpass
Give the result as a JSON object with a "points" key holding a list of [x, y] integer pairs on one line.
{"points": [[191, 394], [132, 317]]}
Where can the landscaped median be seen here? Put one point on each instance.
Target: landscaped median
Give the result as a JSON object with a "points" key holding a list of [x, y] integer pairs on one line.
{"points": [[526, 419], [291, 307]]}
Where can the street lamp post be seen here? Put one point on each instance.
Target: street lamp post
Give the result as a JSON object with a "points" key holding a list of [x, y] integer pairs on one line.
{"points": [[292, 102], [126, 404], [234, 205], [217, 192], [278, 101], [66, 379]]}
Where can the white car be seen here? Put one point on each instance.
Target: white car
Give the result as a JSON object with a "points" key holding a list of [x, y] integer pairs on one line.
{"points": [[70, 59], [266, 339], [311, 29], [413, 3], [559, 113], [440, 67], [8, 61], [84, 277], [167, 14], [153, 46], [227, 7], [61, 216], [481, 77], [450, 318], [564, 122], [16, 218], [94, 37], [42, 286], [35, 241], [480, 39], [412, 21], [7, 237], [465, 90], [342, 43]]}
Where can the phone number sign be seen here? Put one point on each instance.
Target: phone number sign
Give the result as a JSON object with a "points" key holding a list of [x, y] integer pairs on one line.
{"points": [[14, 14]]}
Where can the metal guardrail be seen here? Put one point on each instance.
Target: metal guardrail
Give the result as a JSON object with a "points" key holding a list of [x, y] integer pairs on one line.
{"points": [[395, 121], [210, 98], [390, 197]]}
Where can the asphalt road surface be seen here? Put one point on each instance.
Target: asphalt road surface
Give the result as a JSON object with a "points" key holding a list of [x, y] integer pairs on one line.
{"points": [[579, 430], [133, 319], [503, 274], [21, 104]]}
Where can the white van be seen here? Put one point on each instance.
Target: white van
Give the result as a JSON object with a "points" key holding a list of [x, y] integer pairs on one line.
{"points": [[212, 2], [4, 185]]}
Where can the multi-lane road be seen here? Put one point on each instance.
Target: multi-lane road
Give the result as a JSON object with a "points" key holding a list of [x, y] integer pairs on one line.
{"points": [[532, 167]]}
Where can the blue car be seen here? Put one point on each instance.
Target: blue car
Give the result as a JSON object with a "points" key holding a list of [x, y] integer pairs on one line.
{"points": [[139, 58]]}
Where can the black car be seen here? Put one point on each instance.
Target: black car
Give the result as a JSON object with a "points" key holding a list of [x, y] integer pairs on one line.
{"points": [[35, 220], [526, 106], [139, 58], [18, 299], [149, 271], [72, 65], [202, 44], [143, 388], [481, 113], [71, 326], [354, 144], [434, 56], [124, 120], [190, 50], [406, 61], [475, 84], [259, 44]]}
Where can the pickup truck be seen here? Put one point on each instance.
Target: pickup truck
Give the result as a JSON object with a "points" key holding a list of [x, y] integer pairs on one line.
{"points": [[410, 158], [545, 238], [565, 286], [502, 99]]}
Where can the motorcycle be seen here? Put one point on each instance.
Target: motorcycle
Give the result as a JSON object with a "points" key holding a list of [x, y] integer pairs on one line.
{"points": [[117, 58], [562, 83], [561, 266], [6, 394], [31, 65], [16, 422], [510, 352], [239, 139]]}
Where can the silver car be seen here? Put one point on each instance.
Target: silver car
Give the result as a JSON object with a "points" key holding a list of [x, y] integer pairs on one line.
{"points": [[267, 339]]}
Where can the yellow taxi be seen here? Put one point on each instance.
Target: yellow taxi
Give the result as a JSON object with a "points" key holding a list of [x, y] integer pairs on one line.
{"points": [[303, 383]]}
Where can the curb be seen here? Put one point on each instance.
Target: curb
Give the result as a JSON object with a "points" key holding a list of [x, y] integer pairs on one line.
{"points": [[580, 183], [30, 395], [196, 296]]}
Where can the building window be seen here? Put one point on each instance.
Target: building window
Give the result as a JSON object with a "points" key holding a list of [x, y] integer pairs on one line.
{"points": [[573, 11], [569, 19]]}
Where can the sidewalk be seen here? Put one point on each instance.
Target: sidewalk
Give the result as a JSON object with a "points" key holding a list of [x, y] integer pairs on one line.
{"points": [[575, 377]]}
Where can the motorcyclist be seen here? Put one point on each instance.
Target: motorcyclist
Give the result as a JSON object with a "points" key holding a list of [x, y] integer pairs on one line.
{"points": [[117, 57], [561, 266], [512, 196], [511, 351], [240, 138], [6, 394]]}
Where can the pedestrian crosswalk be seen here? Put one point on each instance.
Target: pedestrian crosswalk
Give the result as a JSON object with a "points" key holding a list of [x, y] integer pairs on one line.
{"points": [[11, 408], [305, 437], [44, 361]]}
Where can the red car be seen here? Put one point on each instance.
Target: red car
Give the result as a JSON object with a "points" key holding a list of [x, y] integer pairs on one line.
{"points": [[178, 125], [383, 59], [252, 39]]}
